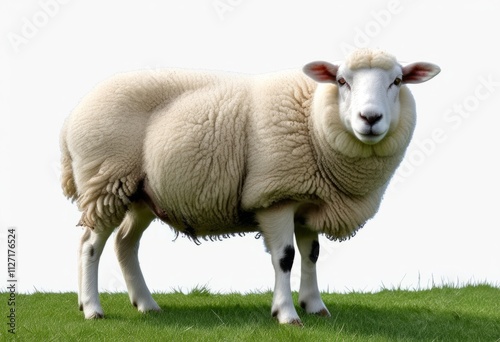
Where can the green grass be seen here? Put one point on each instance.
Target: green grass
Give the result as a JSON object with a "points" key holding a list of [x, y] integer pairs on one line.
{"points": [[470, 313]]}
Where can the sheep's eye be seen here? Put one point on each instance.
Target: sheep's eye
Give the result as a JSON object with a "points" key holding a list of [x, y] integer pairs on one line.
{"points": [[397, 81], [341, 81]]}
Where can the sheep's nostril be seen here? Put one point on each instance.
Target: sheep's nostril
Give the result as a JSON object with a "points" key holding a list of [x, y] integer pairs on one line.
{"points": [[370, 118]]}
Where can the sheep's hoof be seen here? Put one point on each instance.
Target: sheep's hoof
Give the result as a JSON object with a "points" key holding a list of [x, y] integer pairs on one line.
{"points": [[147, 307], [154, 310], [90, 313], [296, 322], [95, 315], [323, 313], [291, 321]]}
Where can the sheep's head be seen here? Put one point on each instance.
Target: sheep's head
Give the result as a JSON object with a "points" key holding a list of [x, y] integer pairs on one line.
{"points": [[368, 84]]}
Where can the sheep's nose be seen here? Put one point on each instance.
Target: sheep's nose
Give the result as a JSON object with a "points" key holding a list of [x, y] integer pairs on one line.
{"points": [[370, 118]]}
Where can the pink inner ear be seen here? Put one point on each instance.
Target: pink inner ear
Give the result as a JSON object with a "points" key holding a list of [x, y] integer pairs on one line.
{"points": [[416, 74], [419, 72], [322, 73]]}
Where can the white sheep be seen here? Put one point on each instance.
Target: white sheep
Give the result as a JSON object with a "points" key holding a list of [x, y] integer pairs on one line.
{"points": [[282, 154]]}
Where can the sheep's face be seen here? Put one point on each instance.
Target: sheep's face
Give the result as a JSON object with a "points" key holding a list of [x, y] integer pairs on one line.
{"points": [[368, 90], [369, 101]]}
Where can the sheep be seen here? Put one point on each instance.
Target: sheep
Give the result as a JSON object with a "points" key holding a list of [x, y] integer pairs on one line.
{"points": [[293, 153]]}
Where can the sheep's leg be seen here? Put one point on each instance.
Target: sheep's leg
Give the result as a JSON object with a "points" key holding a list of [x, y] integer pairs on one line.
{"points": [[309, 296], [277, 227], [136, 220], [91, 246]]}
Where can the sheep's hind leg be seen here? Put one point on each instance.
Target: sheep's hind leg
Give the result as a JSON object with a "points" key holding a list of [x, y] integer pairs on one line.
{"points": [[309, 296], [277, 227], [91, 246], [137, 219]]}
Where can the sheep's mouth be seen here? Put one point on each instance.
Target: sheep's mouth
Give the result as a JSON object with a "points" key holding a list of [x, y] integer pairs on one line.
{"points": [[371, 137]]}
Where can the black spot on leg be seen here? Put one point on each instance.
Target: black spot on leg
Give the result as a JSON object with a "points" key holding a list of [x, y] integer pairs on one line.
{"points": [[303, 305], [286, 261], [134, 304], [91, 251], [314, 252], [275, 313]]}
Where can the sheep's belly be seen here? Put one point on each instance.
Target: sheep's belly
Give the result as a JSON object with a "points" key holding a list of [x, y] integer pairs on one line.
{"points": [[207, 224]]}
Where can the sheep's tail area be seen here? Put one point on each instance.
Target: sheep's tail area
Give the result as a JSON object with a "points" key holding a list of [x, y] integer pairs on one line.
{"points": [[67, 178]]}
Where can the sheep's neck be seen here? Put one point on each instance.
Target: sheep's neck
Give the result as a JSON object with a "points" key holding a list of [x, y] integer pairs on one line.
{"points": [[355, 175], [351, 166]]}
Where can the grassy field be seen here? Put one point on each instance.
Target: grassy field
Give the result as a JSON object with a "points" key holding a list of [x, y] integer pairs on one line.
{"points": [[470, 313]]}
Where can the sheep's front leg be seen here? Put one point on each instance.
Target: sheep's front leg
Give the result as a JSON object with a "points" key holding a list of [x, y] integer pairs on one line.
{"points": [[277, 226], [91, 246], [136, 220], [309, 296]]}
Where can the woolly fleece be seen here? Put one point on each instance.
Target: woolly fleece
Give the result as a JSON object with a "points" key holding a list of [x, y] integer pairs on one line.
{"points": [[214, 148]]}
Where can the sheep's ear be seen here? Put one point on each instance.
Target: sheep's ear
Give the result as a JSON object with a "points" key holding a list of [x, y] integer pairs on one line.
{"points": [[320, 71], [419, 72]]}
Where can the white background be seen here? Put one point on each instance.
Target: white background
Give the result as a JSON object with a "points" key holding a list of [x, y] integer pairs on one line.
{"points": [[438, 223]]}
